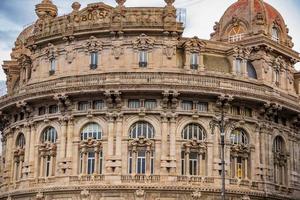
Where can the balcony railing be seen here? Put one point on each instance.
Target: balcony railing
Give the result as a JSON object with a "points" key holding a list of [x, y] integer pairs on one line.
{"points": [[140, 178], [201, 82]]}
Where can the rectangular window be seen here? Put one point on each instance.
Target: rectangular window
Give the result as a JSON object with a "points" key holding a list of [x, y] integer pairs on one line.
{"points": [[94, 60], [141, 162], [202, 107], [193, 163], [235, 110], [53, 109], [134, 103], [98, 105], [52, 66], [48, 160], [91, 162], [152, 163], [194, 61], [239, 167], [81, 160], [277, 77], [83, 105], [130, 163], [182, 163], [150, 104], [143, 58], [42, 110], [248, 112], [100, 162], [187, 105], [238, 66]]}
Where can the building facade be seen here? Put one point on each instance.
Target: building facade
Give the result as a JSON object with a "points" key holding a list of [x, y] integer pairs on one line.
{"points": [[113, 103]]}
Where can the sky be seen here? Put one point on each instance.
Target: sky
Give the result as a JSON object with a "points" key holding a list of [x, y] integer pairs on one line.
{"points": [[201, 16]]}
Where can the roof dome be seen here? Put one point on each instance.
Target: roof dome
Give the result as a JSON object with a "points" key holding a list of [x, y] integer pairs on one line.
{"points": [[246, 18]]}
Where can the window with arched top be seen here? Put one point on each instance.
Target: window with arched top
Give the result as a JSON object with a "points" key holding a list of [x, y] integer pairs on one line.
{"points": [[275, 34], [239, 136], [142, 129], [280, 161], [49, 135], [20, 141], [91, 154], [47, 152], [251, 70], [19, 155], [141, 153], [92, 131], [194, 131], [239, 157], [278, 145], [236, 33]]}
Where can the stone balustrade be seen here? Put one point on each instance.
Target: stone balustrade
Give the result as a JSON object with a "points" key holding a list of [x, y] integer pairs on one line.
{"points": [[136, 80]]}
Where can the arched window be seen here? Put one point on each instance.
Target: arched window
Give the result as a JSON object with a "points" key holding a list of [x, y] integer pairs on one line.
{"points": [[239, 157], [19, 155], [280, 161], [275, 34], [47, 152], [236, 33], [49, 135], [193, 131], [193, 154], [251, 70], [278, 145], [91, 154], [141, 152], [21, 141], [239, 136], [91, 130], [141, 129]]}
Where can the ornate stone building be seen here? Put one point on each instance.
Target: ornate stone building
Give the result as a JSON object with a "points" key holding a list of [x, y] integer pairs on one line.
{"points": [[113, 103]]}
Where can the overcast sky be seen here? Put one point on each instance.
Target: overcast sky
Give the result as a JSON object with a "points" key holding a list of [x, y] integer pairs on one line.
{"points": [[201, 15]]}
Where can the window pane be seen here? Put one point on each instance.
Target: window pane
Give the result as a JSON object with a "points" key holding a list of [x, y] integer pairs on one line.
{"points": [[187, 105], [91, 130], [150, 104]]}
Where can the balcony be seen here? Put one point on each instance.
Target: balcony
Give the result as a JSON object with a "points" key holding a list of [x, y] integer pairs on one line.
{"points": [[140, 178], [203, 83]]}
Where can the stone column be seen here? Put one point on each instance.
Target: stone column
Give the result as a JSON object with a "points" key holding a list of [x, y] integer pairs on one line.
{"points": [[42, 166], [209, 158], [134, 157], [62, 152], [75, 156], [200, 165], [119, 137], [246, 168], [84, 163], [187, 163], [173, 144], [27, 143], [33, 153], [235, 167], [148, 164], [70, 131], [97, 162], [164, 138], [110, 141]]}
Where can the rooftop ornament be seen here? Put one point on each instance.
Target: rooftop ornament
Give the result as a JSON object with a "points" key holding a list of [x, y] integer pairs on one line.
{"points": [[46, 9]]}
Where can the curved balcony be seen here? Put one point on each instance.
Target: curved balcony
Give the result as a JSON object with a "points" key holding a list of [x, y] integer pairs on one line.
{"points": [[153, 81]]}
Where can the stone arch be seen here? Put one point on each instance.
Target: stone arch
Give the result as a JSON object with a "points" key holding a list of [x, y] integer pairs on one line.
{"points": [[18, 135], [184, 122], [79, 125], [242, 127], [152, 120], [43, 126]]}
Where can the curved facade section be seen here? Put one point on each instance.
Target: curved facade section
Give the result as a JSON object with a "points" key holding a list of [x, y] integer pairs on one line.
{"points": [[114, 103]]}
